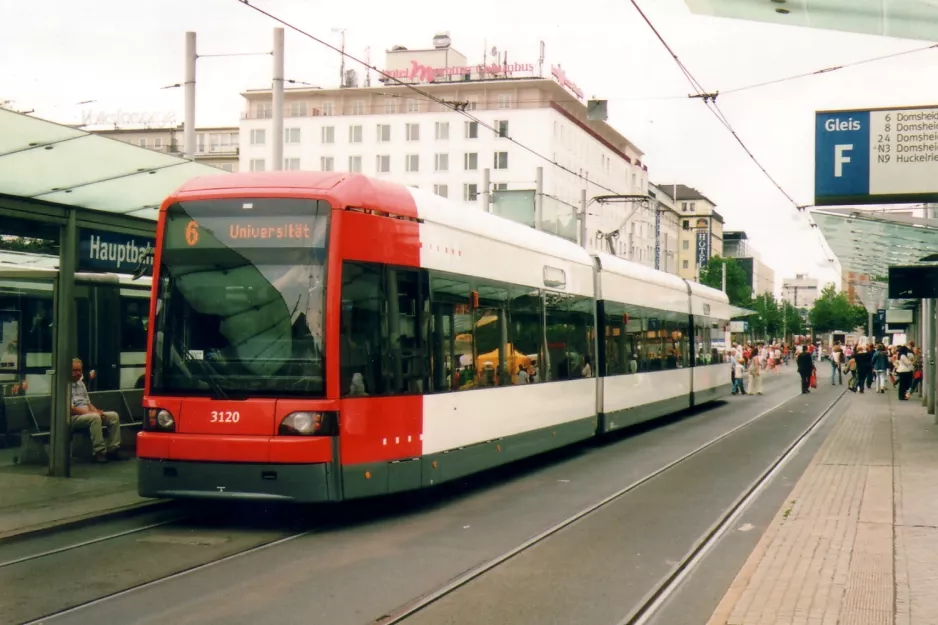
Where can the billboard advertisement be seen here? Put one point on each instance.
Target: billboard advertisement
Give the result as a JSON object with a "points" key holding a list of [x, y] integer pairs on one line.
{"points": [[876, 156]]}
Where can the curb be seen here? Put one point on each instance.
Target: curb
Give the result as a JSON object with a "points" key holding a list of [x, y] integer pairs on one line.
{"points": [[83, 520]]}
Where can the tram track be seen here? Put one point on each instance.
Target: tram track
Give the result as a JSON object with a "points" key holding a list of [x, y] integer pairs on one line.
{"points": [[644, 611], [113, 602], [178, 530]]}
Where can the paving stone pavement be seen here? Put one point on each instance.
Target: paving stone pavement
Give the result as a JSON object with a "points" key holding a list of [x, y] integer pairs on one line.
{"points": [[856, 542]]}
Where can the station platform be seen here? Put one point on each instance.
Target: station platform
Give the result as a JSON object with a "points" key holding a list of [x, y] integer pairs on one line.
{"points": [[32, 502], [856, 541]]}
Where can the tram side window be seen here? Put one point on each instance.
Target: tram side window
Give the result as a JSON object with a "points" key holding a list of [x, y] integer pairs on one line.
{"points": [[383, 330], [490, 322], [621, 345], [702, 332], [569, 336], [452, 345], [526, 335], [640, 339], [483, 334]]}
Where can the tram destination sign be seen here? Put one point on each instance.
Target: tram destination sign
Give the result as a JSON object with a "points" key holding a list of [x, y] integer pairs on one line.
{"points": [[185, 232], [878, 156]]}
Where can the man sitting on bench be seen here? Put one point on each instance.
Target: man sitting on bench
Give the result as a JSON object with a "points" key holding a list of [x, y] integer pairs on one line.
{"points": [[85, 415]]}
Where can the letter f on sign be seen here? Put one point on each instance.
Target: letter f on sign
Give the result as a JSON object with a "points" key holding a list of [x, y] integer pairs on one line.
{"points": [[840, 159]]}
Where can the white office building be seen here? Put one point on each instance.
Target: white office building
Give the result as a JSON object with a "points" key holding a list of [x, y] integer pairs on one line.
{"points": [[800, 291], [389, 130]]}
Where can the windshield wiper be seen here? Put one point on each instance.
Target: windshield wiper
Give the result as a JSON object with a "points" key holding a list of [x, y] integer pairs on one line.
{"points": [[204, 368], [142, 266]]}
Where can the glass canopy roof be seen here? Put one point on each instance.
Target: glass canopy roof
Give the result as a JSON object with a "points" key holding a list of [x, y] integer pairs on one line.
{"points": [[905, 19], [46, 161], [867, 242]]}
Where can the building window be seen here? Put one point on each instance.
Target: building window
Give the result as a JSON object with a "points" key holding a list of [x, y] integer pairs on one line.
{"points": [[413, 106], [258, 137], [355, 164], [264, 110], [470, 161], [472, 130], [158, 142], [470, 192], [298, 109], [354, 134], [358, 107], [327, 108], [441, 189], [442, 131], [326, 163], [291, 135], [257, 164], [684, 264], [384, 133], [390, 105], [412, 162], [413, 132], [501, 127], [500, 186], [383, 163], [328, 134], [291, 164], [501, 160], [441, 162], [685, 245], [472, 103], [504, 101], [226, 166]]}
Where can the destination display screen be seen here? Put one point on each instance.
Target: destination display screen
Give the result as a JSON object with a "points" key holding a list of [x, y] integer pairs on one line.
{"points": [[264, 223]]}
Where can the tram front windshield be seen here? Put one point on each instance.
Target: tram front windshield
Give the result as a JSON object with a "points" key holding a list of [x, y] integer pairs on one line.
{"points": [[241, 297]]}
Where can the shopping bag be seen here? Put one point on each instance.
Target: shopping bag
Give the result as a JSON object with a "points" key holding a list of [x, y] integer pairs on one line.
{"points": [[814, 379]]}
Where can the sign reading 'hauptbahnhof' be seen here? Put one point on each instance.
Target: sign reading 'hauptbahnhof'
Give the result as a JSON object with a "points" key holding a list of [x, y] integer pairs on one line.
{"points": [[876, 156]]}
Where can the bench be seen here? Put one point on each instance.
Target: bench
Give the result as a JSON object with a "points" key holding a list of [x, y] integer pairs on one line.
{"points": [[31, 417]]}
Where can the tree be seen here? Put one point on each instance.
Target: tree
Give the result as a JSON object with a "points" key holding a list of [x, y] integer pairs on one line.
{"points": [[767, 320], [833, 311], [738, 288], [792, 319]]}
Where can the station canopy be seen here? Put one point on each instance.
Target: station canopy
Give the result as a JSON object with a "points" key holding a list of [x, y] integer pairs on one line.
{"points": [[42, 160], [904, 19], [868, 242]]}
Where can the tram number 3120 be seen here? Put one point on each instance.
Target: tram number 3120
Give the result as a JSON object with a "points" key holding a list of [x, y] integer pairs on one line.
{"points": [[225, 416]]}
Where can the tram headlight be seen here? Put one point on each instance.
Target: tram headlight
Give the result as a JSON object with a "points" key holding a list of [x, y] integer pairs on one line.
{"points": [[159, 420], [308, 423], [165, 420]]}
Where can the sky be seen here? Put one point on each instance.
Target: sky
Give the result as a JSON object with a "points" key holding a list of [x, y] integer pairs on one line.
{"points": [[116, 55]]}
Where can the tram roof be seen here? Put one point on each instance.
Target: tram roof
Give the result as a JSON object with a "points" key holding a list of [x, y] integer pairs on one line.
{"points": [[50, 162]]}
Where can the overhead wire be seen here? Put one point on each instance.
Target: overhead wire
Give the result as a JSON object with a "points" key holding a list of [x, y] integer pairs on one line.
{"points": [[454, 106], [709, 100], [828, 70]]}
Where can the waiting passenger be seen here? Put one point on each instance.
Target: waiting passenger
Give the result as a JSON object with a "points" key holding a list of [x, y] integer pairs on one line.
{"points": [[84, 414], [587, 370]]}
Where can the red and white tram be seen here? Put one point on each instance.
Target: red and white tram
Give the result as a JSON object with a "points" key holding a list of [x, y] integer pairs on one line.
{"points": [[329, 336]]}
